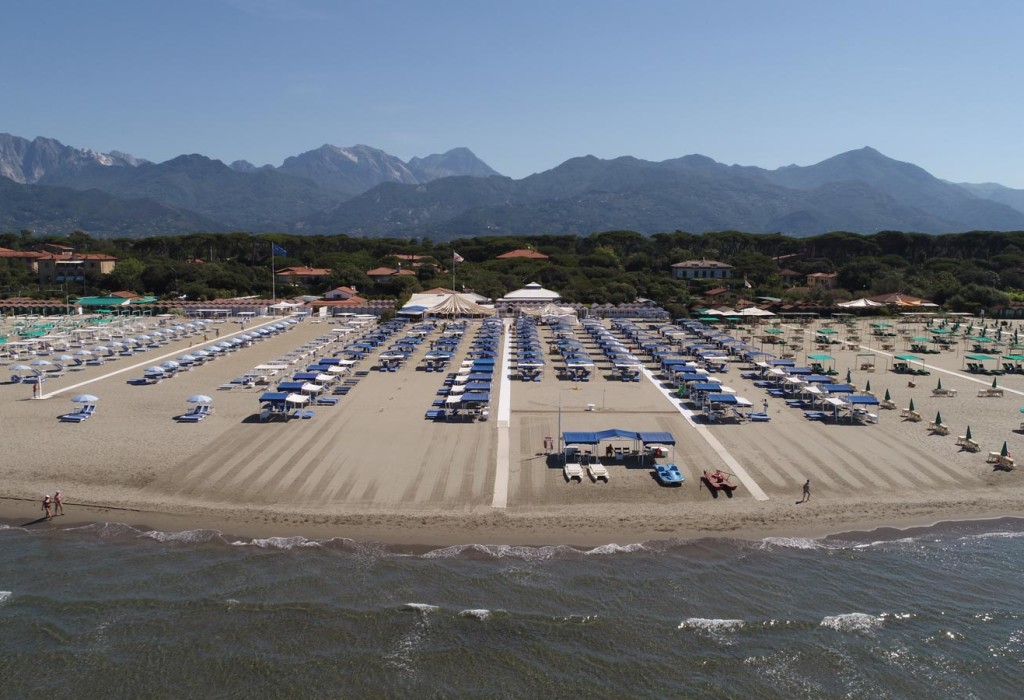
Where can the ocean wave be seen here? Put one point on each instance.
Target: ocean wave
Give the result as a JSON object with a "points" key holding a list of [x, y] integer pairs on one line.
{"points": [[853, 622], [421, 608], [5, 596], [715, 625], [793, 543], [184, 537], [285, 543], [479, 614]]}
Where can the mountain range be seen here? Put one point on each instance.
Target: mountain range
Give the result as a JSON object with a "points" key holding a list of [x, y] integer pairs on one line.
{"points": [[49, 187]]}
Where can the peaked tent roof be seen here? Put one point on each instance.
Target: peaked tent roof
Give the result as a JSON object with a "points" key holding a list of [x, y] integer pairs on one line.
{"points": [[456, 305]]}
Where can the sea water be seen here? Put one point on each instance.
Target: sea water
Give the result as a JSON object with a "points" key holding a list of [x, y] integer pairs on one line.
{"points": [[113, 611]]}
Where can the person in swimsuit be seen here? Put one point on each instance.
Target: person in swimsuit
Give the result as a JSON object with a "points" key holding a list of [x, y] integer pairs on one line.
{"points": [[807, 491], [46, 505], [58, 504]]}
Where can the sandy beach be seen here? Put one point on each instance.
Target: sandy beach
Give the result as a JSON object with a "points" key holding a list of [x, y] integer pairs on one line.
{"points": [[371, 468]]}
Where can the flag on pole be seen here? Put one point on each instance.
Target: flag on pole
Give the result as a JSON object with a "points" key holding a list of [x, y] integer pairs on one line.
{"points": [[457, 258], [278, 250]]}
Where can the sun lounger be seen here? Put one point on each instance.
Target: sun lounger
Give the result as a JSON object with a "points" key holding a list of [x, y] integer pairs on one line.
{"points": [[760, 417], [946, 392], [815, 415], [327, 401], [435, 414], [192, 417], [910, 415], [597, 471], [938, 428], [73, 417], [572, 470], [968, 444], [990, 392]]}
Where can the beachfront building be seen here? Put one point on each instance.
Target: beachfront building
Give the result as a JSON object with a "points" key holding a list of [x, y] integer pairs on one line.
{"points": [[383, 274], [524, 253], [341, 294], [702, 269], [822, 280], [302, 275], [531, 295], [67, 266]]}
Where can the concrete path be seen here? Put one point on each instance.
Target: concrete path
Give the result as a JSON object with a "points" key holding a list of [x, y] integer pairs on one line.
{"points": [[504, 418]]}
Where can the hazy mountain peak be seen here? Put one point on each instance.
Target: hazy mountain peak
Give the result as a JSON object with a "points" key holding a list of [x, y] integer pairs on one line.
{"points": [[454, 162]]}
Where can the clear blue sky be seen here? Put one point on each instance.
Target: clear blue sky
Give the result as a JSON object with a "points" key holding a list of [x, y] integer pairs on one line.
{"points": [[525, 84]]}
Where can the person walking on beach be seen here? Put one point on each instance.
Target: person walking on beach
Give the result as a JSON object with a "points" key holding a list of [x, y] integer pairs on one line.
{"points": [[58, 504], [46, 505], [807, 492]]}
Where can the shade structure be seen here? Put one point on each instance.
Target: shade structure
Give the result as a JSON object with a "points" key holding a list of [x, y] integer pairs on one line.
{"points": [[938, 418], [85, 398], [968, 434], [199, 398], [1005, 452], [911, 407]]}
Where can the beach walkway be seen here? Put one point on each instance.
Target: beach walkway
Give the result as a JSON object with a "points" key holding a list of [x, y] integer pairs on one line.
{"points": [[504, 420], [736, 468]]}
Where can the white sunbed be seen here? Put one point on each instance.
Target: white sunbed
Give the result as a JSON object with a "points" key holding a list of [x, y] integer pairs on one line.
{"points": [[598, 471]]}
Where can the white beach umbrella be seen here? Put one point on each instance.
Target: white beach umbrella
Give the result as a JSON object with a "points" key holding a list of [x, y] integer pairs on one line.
{"points": [[64, 358], [170, 364], [199, 398], [83, 353], [85, 398], [21, 368], [42, 363], [155, 370]]}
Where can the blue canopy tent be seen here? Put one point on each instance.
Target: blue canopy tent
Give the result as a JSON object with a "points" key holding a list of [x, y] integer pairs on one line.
{"points": [[862, 400]]}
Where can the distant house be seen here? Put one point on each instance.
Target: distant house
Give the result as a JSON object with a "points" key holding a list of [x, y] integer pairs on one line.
{"points": [[72, 267], [823, 280], [28, 257], [302, 275], [383, 274], [341, 294], [701, 270], [522, 253], [790, 276]]}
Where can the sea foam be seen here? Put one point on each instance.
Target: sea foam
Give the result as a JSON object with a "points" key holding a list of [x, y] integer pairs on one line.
{"points": [[477, 614], [711, 624], [422, 608], [5, 596], [853, 622]]}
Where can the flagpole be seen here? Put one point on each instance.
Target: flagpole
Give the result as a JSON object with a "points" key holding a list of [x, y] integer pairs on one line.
{"points": [[453, 270], [273, 273]]}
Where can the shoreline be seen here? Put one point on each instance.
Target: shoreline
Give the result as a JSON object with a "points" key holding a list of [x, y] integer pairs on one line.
{"points": [[425, 531], [371, 469]]}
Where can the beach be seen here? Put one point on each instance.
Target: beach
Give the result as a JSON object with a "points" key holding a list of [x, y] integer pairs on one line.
{"points": [[372, 469]]}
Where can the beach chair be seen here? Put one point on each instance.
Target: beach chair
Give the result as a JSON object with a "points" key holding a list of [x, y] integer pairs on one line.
{"points": [[760, 417], [597, 471], [327, 401], [73, 417], [938, 429]]}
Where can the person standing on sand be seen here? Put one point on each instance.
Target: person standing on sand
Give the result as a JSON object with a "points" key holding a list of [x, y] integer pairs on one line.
{"points": [[58, 504], [807, 492], [46, 505]]}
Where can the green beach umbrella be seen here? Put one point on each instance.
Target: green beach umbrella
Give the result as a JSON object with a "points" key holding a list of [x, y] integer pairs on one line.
{"points": [[968, 435], [938, 387], [889, 398], [938, 418], [911, 407], [994, 382], [867, 386], [1005, 452]]}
